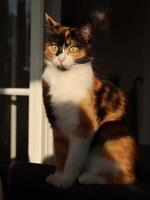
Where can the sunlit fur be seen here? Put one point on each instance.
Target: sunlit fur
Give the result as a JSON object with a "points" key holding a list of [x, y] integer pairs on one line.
{"points": [[89, 115]]}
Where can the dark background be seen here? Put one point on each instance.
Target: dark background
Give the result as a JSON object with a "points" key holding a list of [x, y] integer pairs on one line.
{"points": [[125, 50]]}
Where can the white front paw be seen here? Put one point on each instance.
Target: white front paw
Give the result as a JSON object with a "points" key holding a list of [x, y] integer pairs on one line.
{"points": [[54, 179], [59, 180]]}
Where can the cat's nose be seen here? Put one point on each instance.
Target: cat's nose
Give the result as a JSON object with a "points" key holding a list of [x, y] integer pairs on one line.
{"points": [[61, 58]]}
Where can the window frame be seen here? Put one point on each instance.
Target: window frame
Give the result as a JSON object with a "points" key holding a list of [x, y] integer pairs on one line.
{"points": [[40, 144]]}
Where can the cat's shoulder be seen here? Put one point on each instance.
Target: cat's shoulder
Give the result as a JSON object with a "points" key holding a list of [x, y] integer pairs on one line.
{"points": [[101, 81], [107, 88]]}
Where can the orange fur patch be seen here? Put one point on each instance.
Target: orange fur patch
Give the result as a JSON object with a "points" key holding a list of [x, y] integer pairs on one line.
{"points": [[97, 84], [47, 52], [87, 115], [122, 152], [111, 113]]}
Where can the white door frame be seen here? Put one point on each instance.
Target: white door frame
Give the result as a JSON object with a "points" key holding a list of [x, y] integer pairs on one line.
{"points": [[40, 133], [35, 96]]}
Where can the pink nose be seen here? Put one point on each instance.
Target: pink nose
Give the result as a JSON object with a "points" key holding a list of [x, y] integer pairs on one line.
{"points": [[61, 58]]}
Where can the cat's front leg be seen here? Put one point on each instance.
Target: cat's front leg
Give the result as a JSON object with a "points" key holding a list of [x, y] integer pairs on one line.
{"points": [[77, 155], [60, 152]]}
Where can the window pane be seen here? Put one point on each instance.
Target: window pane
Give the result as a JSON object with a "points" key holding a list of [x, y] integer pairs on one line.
{"points": [[7, 116], [15, 38]]}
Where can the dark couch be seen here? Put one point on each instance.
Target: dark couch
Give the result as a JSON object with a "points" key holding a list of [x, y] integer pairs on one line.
{"points": [[27, 181]]}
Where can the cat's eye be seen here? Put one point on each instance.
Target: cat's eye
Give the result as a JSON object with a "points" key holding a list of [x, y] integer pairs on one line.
{"points": [[54, 48], [73, 49]]}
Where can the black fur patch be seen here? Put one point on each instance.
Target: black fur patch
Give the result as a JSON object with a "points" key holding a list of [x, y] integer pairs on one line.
{"points": [[47, 103]]}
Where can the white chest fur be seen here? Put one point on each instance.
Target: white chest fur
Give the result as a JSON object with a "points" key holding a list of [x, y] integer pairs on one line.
{"points": [[67, 89]]}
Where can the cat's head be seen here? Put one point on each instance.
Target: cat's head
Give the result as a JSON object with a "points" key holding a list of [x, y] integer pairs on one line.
{"points": [[64, 47]]}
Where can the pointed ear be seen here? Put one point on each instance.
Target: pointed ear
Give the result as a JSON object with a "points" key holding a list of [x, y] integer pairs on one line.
{"points": [[85, 32], [51, 23]]}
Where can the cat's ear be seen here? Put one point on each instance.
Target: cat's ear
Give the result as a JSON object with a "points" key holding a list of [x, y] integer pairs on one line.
{"points": [[85, 32], [50, 23]]}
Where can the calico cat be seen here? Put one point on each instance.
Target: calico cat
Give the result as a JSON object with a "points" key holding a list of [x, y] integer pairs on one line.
{"points": [[88, 114]]}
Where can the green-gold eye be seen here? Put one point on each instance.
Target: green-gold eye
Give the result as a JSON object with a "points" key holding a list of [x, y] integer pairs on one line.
{"points": [[54, 48], [73, 49]]}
